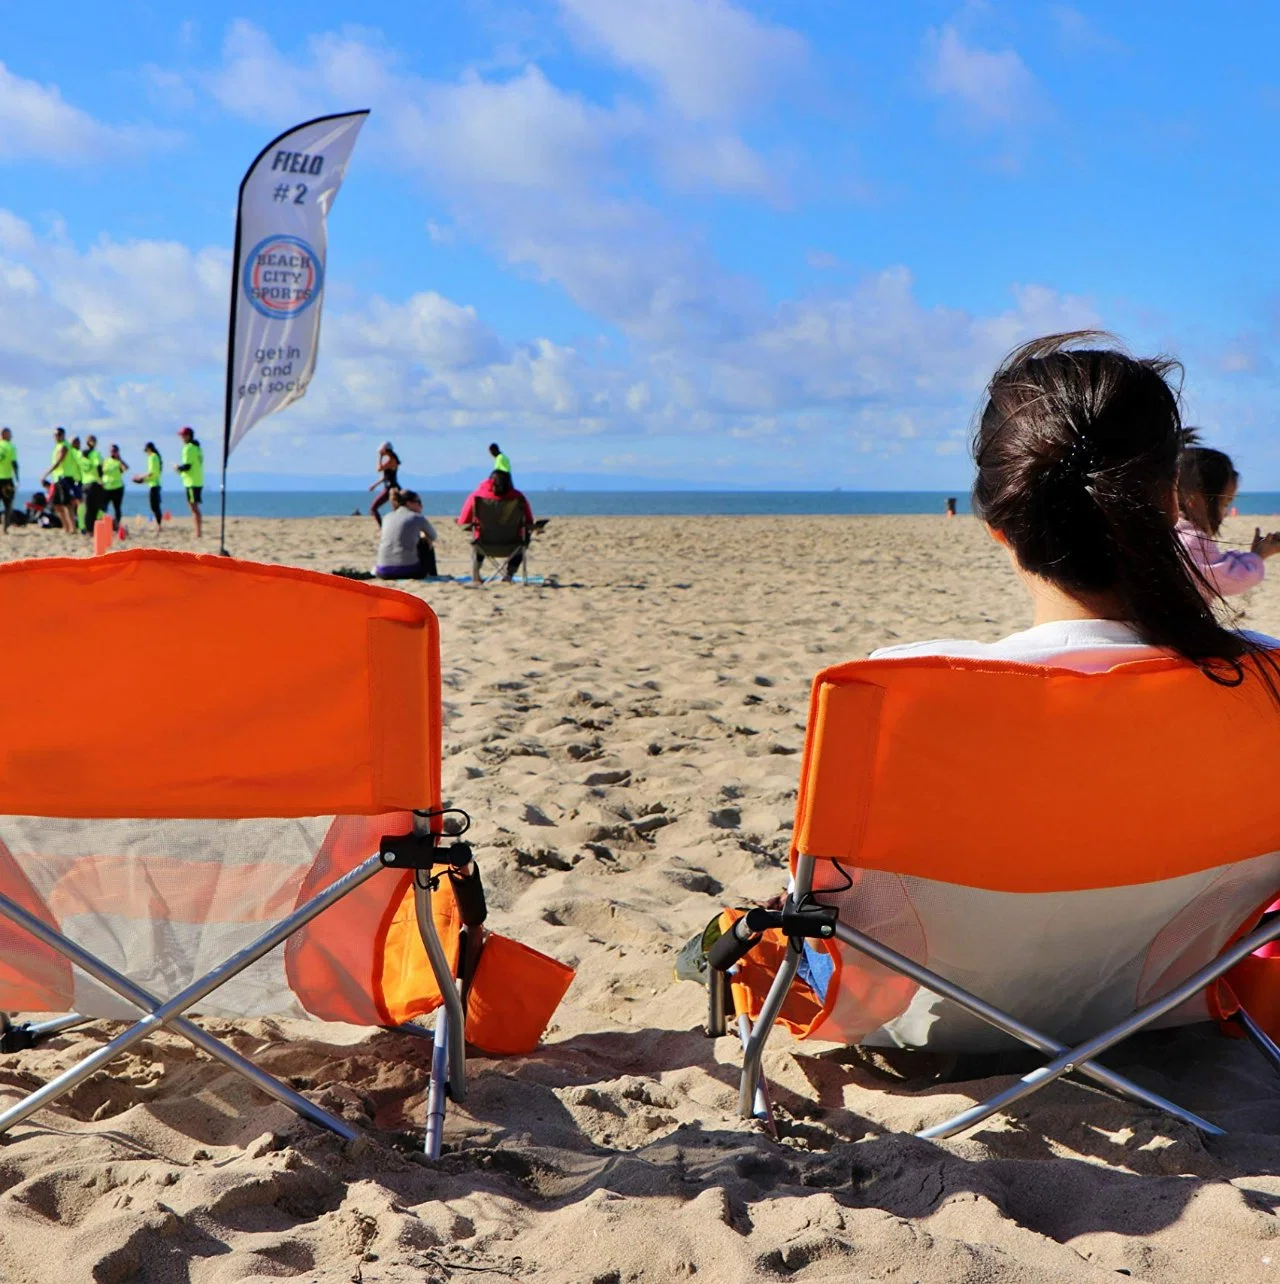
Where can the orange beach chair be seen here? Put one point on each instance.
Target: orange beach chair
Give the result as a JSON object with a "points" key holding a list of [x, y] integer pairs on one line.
{"points": [[281, 788], [991, 853]]}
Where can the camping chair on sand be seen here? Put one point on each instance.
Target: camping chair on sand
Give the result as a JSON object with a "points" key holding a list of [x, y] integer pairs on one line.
{"points": [[284, 751], [989, 853], [501, 533]]}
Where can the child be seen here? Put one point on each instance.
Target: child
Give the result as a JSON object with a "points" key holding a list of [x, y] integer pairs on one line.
{"points": [[1207, 484]]}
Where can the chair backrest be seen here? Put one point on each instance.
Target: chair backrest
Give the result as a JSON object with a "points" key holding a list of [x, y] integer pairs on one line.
{"points": [[1054, 833], [249, 734], [500, 525], [226, 689]]}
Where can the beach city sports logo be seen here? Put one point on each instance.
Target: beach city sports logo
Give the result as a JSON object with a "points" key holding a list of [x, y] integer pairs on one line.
{"points": [[282, 276]]}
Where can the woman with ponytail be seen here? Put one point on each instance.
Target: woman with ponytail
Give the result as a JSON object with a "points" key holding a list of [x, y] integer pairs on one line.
{"points": [[1077, 451]]}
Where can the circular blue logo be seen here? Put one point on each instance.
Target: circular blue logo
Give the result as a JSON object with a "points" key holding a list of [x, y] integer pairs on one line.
{"points": [[282, 276]]}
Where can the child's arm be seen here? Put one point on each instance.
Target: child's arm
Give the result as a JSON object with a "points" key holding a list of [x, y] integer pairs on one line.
{"points": [[1230, 572]]}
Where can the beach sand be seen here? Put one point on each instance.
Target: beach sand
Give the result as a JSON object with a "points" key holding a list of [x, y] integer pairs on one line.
{"points": [[664, 675]]}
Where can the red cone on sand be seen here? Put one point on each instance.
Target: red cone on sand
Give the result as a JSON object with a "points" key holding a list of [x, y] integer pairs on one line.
{"points": [[122, 534]]}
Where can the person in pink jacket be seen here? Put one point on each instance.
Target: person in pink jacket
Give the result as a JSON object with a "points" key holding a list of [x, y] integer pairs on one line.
{"points": [[1207, 485]]}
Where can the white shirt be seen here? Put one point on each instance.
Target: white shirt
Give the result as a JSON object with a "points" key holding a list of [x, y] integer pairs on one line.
{"points": [[1087, 646]]}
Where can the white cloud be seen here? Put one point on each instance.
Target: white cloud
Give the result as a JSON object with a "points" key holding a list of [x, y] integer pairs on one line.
{"points": [[124, 338], [426, 329], [255, 81], [539, 173], [709, 59], [1077, 33], [37, 123], [990, 88], [168, 90]]}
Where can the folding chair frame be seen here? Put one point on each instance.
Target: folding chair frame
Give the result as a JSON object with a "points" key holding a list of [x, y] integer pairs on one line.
{"points": [[500, 562], [420, 852], [1065, 1060]]}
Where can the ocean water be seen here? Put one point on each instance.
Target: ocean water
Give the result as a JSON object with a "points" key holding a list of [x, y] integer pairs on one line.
{"points": [[648, 503]]}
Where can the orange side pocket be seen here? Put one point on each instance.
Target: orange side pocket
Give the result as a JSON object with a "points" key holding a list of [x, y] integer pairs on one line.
{"points": [[801, 1010], [1255, 983], [514, 994]]}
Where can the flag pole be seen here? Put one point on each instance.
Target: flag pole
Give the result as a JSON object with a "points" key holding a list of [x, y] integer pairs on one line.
{"points": [[231, 344], [231, 347]]}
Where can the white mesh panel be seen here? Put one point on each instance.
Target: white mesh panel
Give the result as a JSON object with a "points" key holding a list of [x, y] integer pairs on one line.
{"points": [[1068, 963], [166, 901]]}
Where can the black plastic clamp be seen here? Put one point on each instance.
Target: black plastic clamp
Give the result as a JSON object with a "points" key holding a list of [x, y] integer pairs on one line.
{"points": [[423, 850], [808, 918], [797, 919], [15, 1038]]}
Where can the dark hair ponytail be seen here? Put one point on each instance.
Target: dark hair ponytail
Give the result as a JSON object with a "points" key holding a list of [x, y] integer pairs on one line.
{"points": [[1204, 478], [1077, 453]]}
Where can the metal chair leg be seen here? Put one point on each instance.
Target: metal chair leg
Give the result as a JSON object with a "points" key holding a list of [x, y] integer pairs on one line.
{"points": [[1260, 1039], [446, 983], [753, 1047], [438, 1092], [718, 997], [1081, 1057], [192, 995], [27, 1034]]}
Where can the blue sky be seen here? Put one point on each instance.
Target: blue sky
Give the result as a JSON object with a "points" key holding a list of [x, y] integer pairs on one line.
{"points": [[764, 244]]}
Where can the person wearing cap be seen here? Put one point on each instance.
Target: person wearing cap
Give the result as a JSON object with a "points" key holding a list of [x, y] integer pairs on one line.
{"points": [[151, 479], [63, 496], [91, 482], [8, 474], [388, 479], [501, 464], [191, 466]]}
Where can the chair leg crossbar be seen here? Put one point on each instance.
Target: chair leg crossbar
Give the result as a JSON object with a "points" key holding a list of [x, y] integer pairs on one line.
{"points": [[448, 1067], [802, 917]]}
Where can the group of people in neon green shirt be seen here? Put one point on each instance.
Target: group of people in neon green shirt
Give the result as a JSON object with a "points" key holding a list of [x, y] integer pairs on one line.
{"points": [[84, 484]]}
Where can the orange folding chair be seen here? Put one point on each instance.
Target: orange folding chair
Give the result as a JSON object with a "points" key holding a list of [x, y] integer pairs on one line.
{"points": [[987, 854], [273, 746]]}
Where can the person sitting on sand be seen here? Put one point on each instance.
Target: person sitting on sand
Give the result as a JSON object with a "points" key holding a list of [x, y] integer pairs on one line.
{"points": [[406, 547], [388, 479], [496, 486], [1207, 485]]}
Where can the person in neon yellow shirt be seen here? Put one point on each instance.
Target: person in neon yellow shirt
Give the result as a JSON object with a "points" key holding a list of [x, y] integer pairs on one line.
{"points": [[8, 474], [63, 498], [501, 463], [151, 479], [72, 473], [113, 471], [91, 482], [191, 467]]}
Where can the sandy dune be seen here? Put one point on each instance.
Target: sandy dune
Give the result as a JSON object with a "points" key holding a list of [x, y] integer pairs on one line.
{"points": [[627, 743]]}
